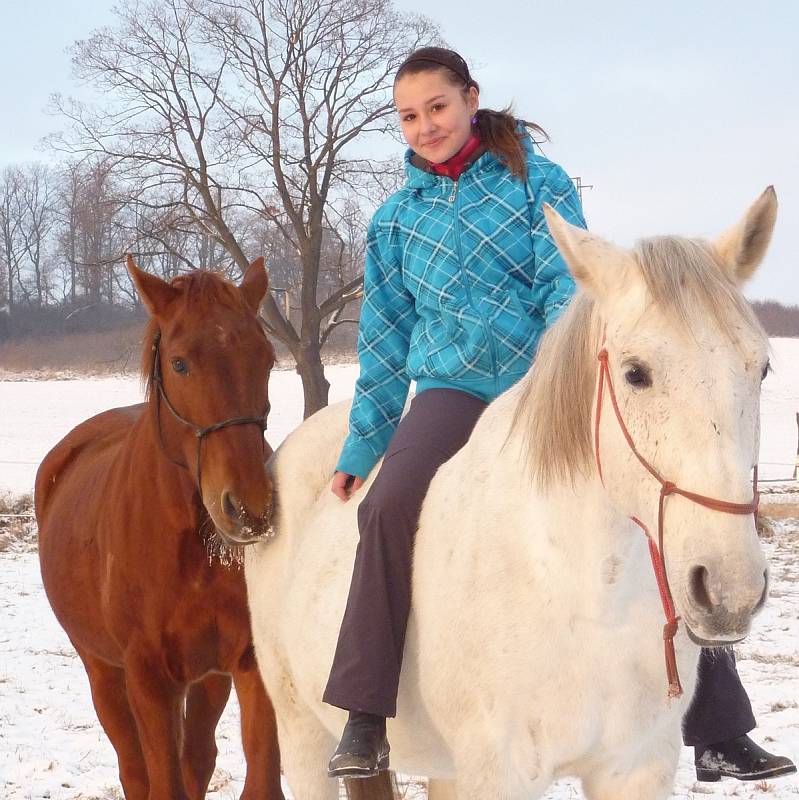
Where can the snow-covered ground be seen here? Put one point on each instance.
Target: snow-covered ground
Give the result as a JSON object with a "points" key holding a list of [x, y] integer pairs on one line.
{"points": [[51, 745]]}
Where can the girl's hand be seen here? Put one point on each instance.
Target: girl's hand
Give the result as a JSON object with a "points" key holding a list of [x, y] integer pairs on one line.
{"points": [[344, 485]]}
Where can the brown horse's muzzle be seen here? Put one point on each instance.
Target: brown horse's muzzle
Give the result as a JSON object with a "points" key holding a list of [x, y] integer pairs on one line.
{"points": [[241, 524]]}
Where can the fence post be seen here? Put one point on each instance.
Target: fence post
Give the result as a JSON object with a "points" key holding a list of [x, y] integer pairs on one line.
{"points": [[796, 465]]}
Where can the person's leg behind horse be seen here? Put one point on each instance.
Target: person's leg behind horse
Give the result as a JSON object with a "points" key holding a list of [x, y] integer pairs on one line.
{"points": [[365, 674], [718, 722]]}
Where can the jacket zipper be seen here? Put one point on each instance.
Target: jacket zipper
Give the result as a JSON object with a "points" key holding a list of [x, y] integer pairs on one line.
{"points": [[454, 197]]}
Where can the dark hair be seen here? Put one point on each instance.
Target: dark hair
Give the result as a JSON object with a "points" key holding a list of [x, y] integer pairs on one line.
{"points": [[498, 130]]}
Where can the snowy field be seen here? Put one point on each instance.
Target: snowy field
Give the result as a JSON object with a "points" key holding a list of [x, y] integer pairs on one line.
{"points": [[51, 745]]}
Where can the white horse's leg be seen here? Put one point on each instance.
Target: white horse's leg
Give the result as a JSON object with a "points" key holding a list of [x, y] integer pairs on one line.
{"points": [[652, 780], [441, 790], [305, 749]]}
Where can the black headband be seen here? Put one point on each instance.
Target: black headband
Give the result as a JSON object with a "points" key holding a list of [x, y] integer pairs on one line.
{"points": [[463, 73]]}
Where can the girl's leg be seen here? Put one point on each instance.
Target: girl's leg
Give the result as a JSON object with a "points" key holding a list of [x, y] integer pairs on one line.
{"points": [[366, 667]]}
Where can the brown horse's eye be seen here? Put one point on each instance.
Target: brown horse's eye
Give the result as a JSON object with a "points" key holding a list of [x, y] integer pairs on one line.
{"points": [[179, 365]]}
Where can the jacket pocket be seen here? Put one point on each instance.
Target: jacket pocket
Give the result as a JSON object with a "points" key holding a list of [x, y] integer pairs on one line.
{"points": [[512, 328]]}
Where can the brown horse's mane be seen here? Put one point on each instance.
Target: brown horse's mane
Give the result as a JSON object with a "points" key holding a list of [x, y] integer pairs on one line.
{"points": [[201, 289]]}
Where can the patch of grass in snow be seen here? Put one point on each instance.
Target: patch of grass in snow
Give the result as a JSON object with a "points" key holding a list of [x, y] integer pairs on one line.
{"points": [[220, 780], [17, 525], [783, 705], [771, 526], [774, 658], [109, 793]]}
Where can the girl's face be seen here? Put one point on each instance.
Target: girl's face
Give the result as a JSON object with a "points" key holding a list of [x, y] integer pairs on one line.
{"points": [[435, 115]]}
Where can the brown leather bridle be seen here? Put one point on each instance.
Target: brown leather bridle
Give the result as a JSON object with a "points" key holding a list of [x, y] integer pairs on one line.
{"points": [[156, 378], [666, 488]]}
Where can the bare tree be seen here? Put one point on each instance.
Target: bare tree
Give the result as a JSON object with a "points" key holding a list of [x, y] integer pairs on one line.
{"points": [[255, 106], [93, 204], [12, 248], [68, 209], [37, 219]]}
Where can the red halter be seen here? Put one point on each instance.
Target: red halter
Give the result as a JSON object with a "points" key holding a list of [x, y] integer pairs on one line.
{"points": [[666, 488]]}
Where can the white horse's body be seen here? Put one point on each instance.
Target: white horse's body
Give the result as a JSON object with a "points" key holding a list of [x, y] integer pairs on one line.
{"points": [[535, 644]]}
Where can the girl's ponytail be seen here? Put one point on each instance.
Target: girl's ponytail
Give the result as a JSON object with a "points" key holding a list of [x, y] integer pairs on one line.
{"points": [[499, 132]]}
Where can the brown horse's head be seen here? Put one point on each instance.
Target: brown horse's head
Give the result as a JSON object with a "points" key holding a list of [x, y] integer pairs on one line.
{"points": [[207, 362]]}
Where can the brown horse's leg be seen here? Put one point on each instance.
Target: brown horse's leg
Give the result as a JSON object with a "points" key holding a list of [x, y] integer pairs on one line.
{"points": [[258, 734], [157, 704], [205, 702], [111, 704]]}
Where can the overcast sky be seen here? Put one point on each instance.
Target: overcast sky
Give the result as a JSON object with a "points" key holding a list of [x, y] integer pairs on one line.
{"points": [[678, 113]]}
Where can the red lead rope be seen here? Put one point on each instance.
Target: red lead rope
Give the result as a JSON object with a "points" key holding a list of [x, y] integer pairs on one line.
{"points": [[666, 488]]}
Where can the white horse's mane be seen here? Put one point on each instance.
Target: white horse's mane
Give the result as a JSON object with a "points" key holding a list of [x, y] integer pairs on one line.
{"points": [[686, 281]]}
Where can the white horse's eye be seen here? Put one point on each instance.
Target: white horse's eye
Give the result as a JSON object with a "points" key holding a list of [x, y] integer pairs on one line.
{"points": [[766, 371], [638, 375]]}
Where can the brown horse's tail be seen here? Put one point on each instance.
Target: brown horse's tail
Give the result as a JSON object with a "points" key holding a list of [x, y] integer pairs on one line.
{"points": [[381, 787]]}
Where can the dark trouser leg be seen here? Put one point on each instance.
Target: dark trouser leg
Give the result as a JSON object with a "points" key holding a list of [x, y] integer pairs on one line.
{"points": [[366, 667], [720, 709]]}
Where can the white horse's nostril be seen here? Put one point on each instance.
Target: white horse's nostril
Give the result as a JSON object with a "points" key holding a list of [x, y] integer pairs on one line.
{"points": [[762, 601], [699, 589]]}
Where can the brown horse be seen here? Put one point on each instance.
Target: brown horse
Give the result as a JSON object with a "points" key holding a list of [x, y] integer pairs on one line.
{"points": [[123, 503]]}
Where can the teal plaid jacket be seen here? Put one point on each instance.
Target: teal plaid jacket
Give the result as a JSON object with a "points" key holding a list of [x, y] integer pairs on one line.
{"points": [[461, 278]]}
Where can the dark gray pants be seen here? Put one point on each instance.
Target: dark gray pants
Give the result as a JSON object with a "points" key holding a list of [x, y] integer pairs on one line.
{"points": [[366, 666], [720, 709]]}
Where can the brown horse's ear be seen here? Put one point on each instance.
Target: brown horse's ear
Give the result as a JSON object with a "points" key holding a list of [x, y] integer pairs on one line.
{"points": [[254, 284], [155, 292]]}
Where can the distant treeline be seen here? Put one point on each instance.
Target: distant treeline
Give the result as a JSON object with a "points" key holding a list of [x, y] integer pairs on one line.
{"points": [[34, 321], [777, 319], [59, 319]]}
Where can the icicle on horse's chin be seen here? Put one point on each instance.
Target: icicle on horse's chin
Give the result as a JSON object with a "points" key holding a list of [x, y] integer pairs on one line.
{"points": [[535, 646]]}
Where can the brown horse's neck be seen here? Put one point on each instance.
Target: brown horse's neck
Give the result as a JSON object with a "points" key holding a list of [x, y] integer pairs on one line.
{"points": [[153, 453]]}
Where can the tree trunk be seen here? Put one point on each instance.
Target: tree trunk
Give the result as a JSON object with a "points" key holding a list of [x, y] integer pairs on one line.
{"points": [[10, 284], [314, 384]]}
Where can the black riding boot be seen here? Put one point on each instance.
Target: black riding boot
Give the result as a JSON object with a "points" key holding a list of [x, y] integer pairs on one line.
{"points": [[363, 749], [739, 758]]}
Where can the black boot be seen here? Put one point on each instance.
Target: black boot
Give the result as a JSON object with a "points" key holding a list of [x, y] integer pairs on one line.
{"points": [[363, 749], [739, 758]]}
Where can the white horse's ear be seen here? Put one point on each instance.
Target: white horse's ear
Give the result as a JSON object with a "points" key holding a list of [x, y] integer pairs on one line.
{"points": [[155, 293], [254, 283], [597, 265], [743, 246]]}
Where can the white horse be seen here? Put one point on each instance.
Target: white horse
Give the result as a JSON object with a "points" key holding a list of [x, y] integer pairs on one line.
{"points": [[535, 645]]}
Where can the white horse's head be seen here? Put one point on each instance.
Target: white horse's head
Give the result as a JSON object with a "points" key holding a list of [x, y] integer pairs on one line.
{"points": [[685, 358]]}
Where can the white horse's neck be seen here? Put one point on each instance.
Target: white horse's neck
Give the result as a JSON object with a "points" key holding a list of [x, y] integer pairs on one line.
{"points": [[568, 530], [598, 545]]}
